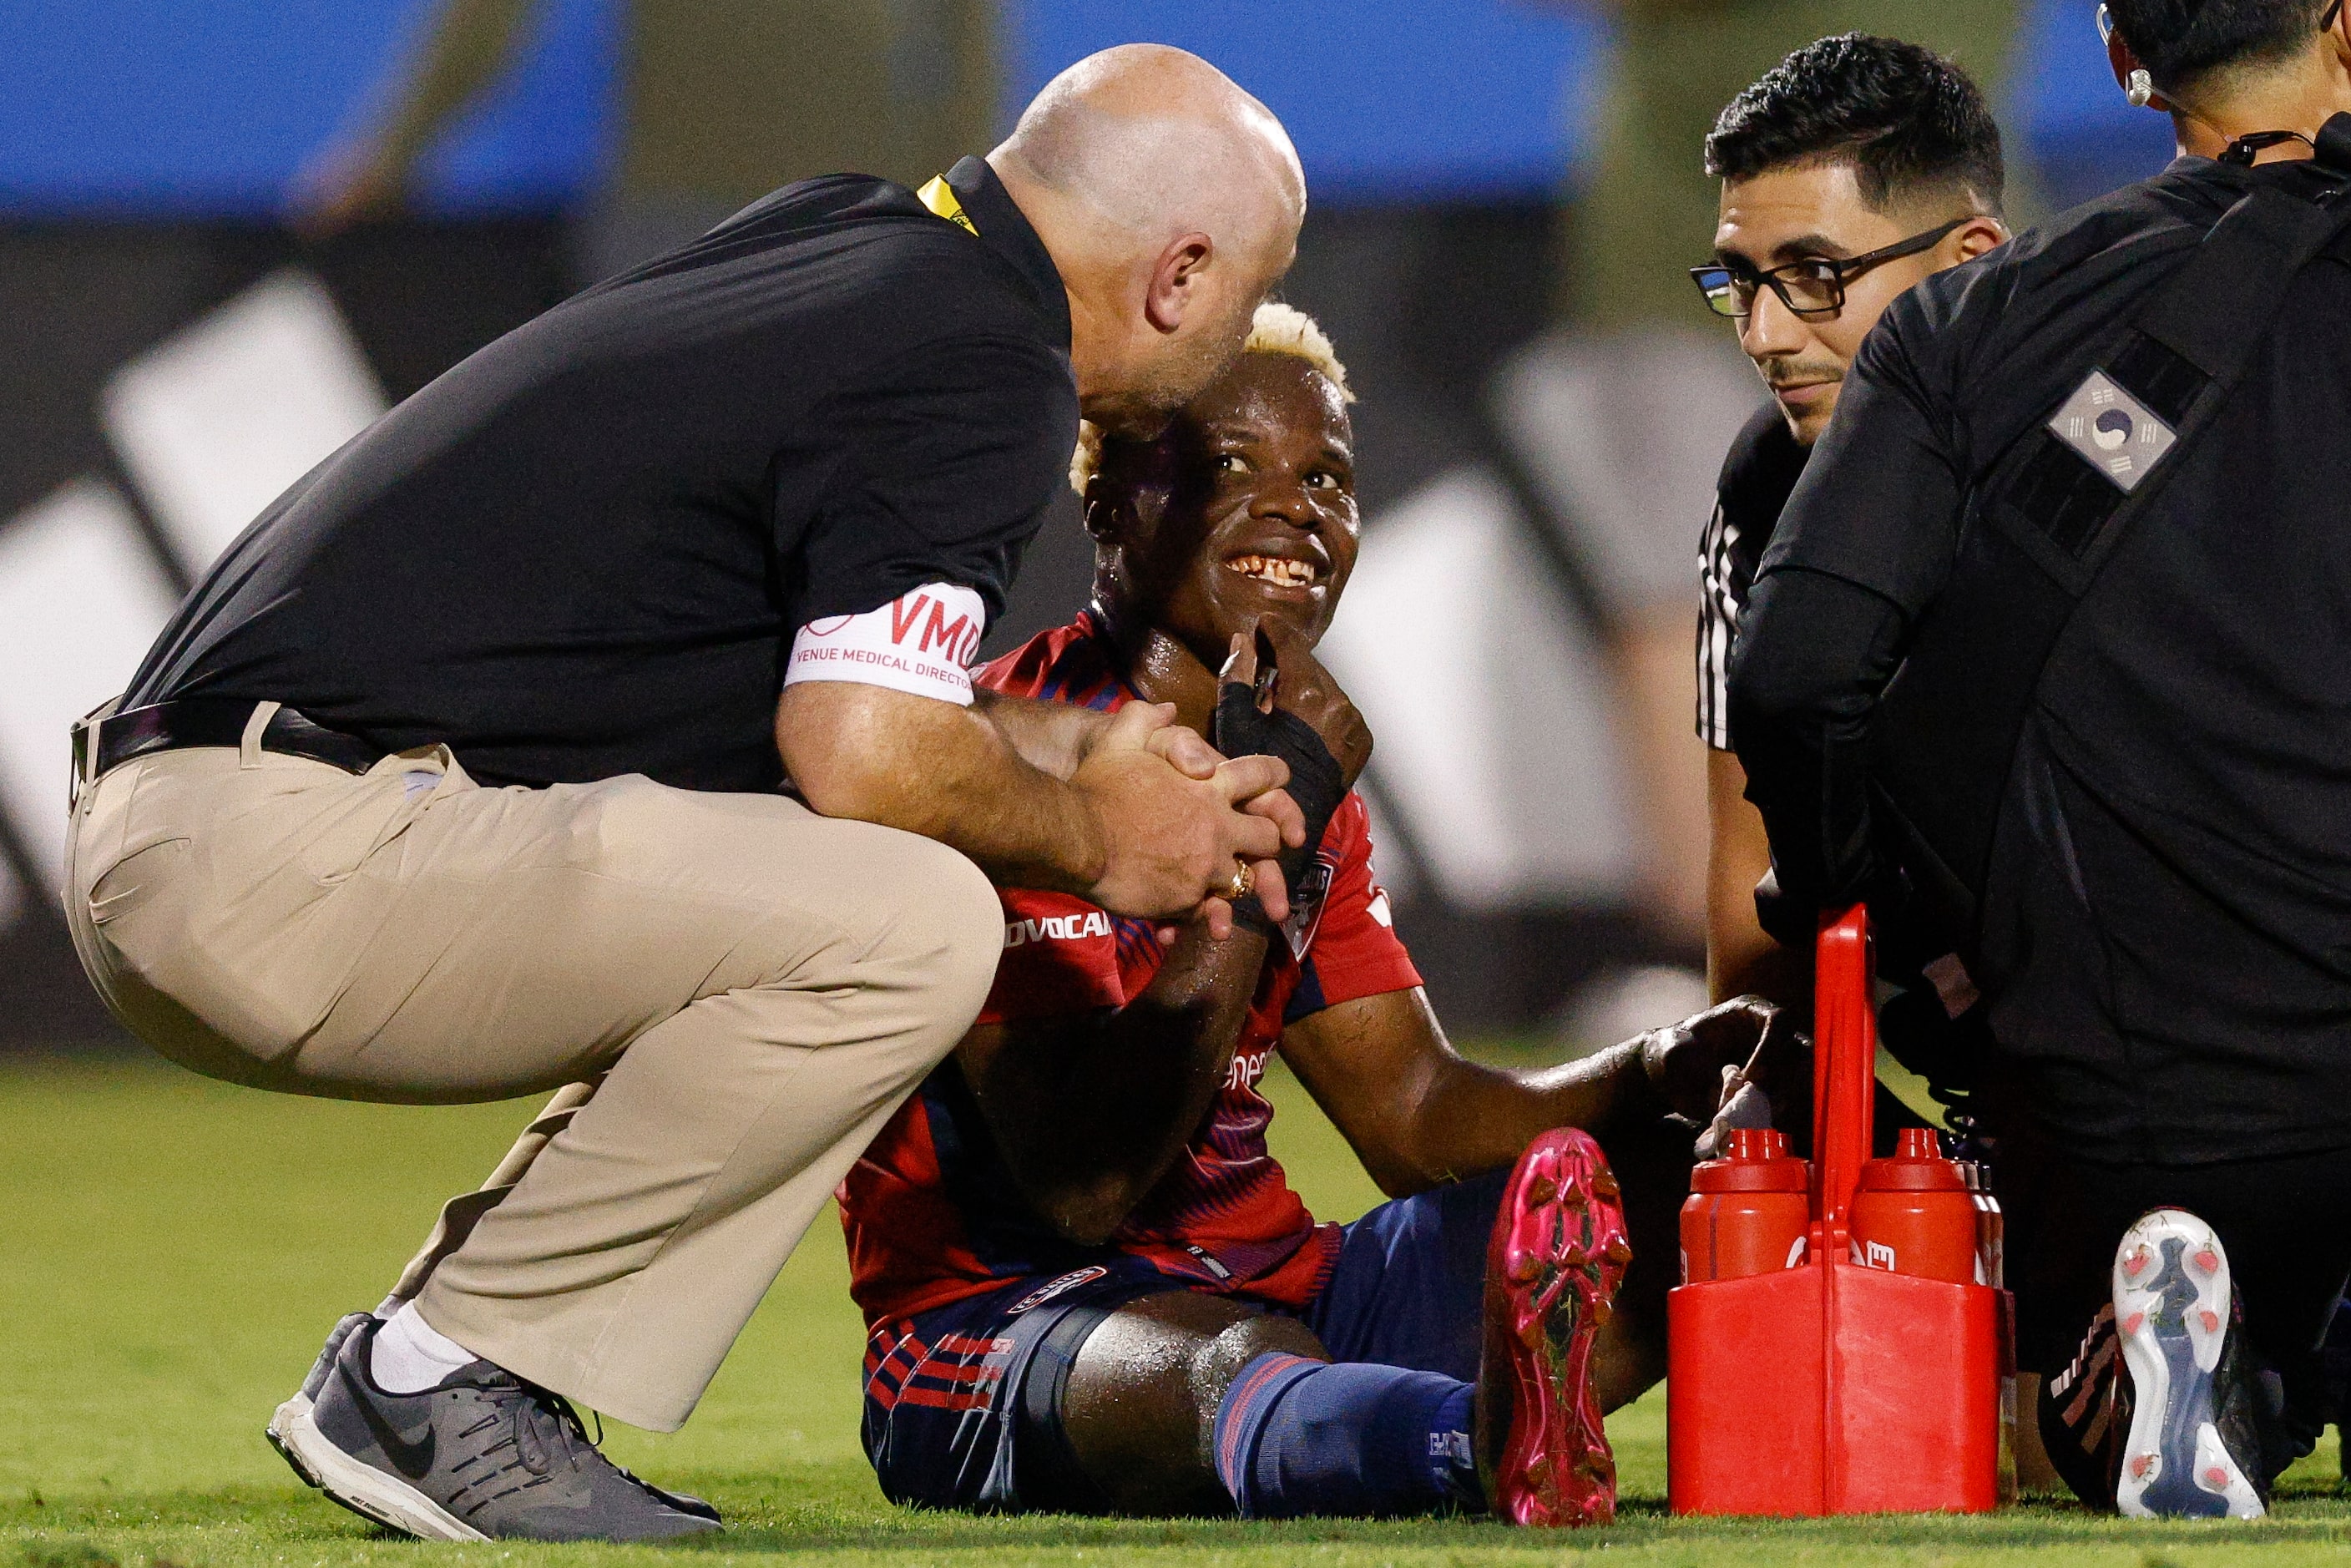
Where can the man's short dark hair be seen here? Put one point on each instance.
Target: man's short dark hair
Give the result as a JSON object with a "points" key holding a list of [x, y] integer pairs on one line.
{"points": [[1908, 120], [2179, 40]]}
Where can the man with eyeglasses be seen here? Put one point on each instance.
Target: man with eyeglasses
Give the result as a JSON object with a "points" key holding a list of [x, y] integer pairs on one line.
{"points": [[1856, 167], [1622, 413], [2047, 661]]}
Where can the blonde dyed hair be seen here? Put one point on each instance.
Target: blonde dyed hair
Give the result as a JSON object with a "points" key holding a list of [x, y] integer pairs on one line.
{"points": [[1275, 329]]}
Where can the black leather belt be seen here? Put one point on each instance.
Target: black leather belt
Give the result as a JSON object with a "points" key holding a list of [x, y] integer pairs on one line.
{"points": [[208, 721]]}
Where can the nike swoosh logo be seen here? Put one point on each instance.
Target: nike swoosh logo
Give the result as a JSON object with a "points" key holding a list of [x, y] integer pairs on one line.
{"points": [[412, 1458]]}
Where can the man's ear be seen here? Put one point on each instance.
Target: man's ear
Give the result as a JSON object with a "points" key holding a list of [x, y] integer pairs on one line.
{"points": [[1099, 512], [1175, 280], [1980, 236]]}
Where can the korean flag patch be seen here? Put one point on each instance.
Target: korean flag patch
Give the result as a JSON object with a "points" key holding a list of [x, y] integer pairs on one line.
{"points": [[2113, 431]]}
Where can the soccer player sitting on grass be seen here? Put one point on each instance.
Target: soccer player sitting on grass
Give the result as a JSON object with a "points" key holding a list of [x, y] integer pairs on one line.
{"points": [[1088, 1285]]}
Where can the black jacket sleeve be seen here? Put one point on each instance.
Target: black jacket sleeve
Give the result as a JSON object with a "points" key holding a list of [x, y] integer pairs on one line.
{"points": [[1814, 652], [1866, 544]]}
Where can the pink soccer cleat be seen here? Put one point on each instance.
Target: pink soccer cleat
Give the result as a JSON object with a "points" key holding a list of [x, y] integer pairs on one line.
{"points": [[1557, 1255]]}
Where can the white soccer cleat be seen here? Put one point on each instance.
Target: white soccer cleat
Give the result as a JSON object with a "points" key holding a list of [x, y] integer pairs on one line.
{"points": [[2175, 1313]]}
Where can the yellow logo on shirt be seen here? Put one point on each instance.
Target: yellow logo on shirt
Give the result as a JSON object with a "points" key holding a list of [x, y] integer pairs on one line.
{"points": [[940, 197]]}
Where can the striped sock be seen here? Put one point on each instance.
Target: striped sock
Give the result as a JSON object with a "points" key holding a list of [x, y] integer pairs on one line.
{"points": [[1296, 1437]]}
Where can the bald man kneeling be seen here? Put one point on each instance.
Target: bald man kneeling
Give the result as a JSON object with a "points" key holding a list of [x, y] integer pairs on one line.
{"points": [[600, 718]]}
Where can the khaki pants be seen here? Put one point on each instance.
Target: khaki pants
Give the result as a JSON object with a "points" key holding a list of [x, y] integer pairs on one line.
{"points": [[761, 988]]}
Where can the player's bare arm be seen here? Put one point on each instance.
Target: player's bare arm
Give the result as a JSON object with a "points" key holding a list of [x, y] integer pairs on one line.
{"points": [[1088, 1113], [1742, 958], [1418, 1114]]}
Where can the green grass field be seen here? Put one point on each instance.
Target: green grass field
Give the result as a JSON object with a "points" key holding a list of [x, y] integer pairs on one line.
{"points": [[172, 1251]]}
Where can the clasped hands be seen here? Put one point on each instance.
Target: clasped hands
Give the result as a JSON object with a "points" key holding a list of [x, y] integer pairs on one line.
{"points": [[1177, 817], [1188, 829]]}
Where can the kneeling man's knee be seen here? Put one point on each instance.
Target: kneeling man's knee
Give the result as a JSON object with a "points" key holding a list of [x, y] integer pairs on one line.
{"points": [[948, 917]]}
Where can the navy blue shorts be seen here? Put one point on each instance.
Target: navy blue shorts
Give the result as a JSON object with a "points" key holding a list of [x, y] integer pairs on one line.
{"points": [[962, 1405]]}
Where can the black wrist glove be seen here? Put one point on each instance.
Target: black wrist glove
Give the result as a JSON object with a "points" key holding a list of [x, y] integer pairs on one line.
{"points": [[1316, 780]]}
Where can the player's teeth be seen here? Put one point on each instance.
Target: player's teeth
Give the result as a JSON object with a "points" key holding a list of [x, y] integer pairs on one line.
{"points": [[1273, 569]]}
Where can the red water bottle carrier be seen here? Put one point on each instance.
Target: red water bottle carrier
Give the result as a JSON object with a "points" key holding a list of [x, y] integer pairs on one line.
{"points": [[1827, 1385]]}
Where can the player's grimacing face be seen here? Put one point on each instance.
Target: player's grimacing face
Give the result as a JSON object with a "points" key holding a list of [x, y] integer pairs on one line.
{"points": [[1257, 518], [1782, 216]]}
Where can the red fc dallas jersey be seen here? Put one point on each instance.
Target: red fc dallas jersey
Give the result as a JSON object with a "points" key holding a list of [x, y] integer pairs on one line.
{"points": [[932, 1214]]}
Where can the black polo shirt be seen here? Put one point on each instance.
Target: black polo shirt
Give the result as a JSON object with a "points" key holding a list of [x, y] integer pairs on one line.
{"points": [[585, 550], [2166, 919], [1759, 474]]}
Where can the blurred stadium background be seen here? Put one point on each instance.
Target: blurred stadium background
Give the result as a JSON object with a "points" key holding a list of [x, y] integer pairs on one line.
{"points": [[1536, 453]]}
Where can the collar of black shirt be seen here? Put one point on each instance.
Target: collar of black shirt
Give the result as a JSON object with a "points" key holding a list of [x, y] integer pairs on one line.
{"points": [[1005, 230]]}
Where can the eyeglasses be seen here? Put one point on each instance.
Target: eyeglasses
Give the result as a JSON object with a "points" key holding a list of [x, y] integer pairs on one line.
{"points": [[1811, 288]]}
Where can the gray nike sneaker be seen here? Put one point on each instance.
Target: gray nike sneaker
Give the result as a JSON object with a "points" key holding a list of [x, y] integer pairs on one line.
{"points": [[325, 1365], [483, 1456], [301, 1400]]}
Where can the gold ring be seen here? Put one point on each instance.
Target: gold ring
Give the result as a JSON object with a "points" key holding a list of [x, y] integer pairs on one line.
{"points": [[1244, 880]]}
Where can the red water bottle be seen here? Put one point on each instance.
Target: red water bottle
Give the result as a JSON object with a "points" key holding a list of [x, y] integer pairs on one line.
{"points": [[1912, 1214], [1748, 1213]]}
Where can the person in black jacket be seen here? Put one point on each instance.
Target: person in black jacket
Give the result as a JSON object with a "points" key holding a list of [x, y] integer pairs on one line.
{"points": [[2085, 496]]}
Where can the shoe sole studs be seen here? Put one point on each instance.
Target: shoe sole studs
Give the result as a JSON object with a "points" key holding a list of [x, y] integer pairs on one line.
{"points": [[2169, 1350], [1559, 1243]]}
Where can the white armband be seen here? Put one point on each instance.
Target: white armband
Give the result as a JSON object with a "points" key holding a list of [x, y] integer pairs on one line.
{"points": [[922, 641]]}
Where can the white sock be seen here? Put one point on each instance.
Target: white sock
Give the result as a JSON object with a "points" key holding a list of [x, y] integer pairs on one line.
{"points": [[411, 1355]]}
